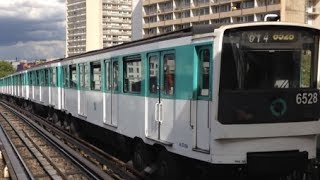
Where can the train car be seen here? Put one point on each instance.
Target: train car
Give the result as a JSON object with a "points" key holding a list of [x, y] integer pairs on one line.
{"points": [[242, 97]]}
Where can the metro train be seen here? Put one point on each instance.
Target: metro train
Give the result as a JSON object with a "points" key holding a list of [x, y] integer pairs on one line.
{"points": [[242, 96]]}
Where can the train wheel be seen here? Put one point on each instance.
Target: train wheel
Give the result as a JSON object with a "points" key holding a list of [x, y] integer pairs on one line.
{"points": [[74, 128], [25, 105], [167, 166], [55, 119], [140, 156], [30, 108]]}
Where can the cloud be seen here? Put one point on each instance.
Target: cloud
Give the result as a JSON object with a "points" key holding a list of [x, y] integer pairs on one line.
{"points": [[33, 50], [31, 21]]}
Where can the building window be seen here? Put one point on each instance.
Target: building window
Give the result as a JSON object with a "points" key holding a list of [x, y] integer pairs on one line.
{"points": [[247, 4]]}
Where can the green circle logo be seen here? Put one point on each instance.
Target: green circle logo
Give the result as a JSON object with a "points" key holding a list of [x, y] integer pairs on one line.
{"points": [[278, 107]]}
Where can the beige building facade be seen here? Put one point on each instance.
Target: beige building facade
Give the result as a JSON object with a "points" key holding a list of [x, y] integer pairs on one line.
{"points": [[96, 24], [161, 16]]}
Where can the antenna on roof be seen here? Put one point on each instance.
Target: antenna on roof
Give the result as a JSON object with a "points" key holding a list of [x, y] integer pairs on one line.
{"points": [[271, 17]]}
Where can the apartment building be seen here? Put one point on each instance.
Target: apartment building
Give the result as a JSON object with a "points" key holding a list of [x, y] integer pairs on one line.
{"points": [[161, 16], [95, 24]]}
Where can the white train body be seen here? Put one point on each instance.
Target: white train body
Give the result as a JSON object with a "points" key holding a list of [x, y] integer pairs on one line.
{"points": [[184, 124]]}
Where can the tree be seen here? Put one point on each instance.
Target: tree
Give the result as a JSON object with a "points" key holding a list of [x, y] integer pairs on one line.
{"points": [[6, 68]]}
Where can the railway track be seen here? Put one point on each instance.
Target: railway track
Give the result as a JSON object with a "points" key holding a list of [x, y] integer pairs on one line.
{"points": [[39, 155], [104, 165]]}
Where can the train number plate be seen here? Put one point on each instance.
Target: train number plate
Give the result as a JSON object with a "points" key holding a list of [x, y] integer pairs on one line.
{"points": [[307, 98]]}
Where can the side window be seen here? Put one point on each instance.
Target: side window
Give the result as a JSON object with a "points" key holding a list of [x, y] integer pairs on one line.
{"points": [[153, 74], [204, 56], [95, 75], [37, 78], [81, 70], [84, 76], [65, 76], [30, 78], [54, 77], [132, 74], [108, 76], [41, 77], [169, 67], [46, 77], [115, 75], [72, 76], [21, 79]]}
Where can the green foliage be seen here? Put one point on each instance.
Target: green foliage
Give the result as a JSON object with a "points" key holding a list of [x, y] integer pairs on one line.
{"points": [[306, 70], [6, 68]]}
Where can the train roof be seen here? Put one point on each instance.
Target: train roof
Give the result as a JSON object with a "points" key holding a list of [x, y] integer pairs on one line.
{"points": [[199, 29], [190, 31]]}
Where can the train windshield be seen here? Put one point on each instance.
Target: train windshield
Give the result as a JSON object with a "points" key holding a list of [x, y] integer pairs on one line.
{"points": [[264, 73], [268, 58]]}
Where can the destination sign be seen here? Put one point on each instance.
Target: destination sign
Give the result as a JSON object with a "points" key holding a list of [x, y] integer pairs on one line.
{"points": [[269, 37]]}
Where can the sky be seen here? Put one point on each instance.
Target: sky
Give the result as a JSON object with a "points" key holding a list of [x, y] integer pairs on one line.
{"points": [[32, 29]]}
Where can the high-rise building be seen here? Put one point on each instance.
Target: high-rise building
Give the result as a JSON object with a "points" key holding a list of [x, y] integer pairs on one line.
{"points": [[160, 16], [95, 24]]}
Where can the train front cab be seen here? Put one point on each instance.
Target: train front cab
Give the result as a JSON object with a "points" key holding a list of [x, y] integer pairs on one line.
{"points": [[268, 101]]}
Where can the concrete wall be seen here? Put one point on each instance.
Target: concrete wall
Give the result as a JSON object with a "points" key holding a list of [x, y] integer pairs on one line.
{"points": [[136, 20], [293, 11], [94, 25]]}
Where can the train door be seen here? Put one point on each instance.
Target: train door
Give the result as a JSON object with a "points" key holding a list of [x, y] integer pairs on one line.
{"points": [[84, 87], [200, 107], [110, 99], [161, 80]]}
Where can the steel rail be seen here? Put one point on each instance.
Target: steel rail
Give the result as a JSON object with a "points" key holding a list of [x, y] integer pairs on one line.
{"points": [[118, 167], [82, 163], [28, 173]]}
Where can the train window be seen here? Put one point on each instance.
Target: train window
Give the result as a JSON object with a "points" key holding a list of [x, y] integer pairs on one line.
{"points": [[30, 78], [204, 70], [305, 68], [21, 79], [72, 76], [40, 77], [168, 73], [46, 77], [84, 76], [37, 80], [54, 77], [65, 76], [153, 74], [108, 76], [132, 74], [249, 63], [95, 75], [115, 75], [81, 68]]}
